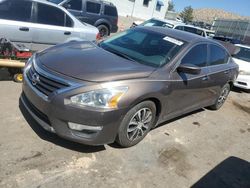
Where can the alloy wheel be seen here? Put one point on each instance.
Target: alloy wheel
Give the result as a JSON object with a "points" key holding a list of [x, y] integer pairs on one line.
{"points": [[139, 124]]}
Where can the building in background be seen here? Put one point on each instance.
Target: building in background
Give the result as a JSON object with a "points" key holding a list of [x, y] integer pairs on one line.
{"points": [[143, 9], [235, 29]]}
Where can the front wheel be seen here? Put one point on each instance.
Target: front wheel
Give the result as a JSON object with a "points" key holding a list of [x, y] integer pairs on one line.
{"points": [[136, 124], [222, 98]]}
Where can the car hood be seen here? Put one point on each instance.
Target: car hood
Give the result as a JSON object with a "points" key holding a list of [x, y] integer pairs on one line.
{"points": [[86, 61], [243, 65]]}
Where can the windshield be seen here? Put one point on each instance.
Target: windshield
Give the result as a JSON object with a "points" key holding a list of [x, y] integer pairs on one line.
{"points": [[145, 47], [243, 54], [153, 22]]}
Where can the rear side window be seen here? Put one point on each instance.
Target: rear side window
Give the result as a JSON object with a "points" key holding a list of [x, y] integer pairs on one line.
{"points": [[50, 15], [196, 56], [194, 30], [217, 55], [110, 11], [93, 7], [15, 10], [75, 4]]}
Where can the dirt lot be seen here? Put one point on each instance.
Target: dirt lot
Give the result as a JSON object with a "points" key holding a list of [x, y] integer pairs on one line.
{"points": [[205, 143]]}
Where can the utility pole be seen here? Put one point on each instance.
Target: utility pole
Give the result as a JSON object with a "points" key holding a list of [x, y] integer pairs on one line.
{"points": [[132, 14], [154, 8]]}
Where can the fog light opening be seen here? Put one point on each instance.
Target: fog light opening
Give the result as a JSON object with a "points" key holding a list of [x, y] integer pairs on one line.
{"points": [[80, 127]]}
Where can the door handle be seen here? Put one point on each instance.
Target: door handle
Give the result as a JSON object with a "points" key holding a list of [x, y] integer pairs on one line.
{"points": [[67, 33], [24, 29], [205, 78], [226, 72]]}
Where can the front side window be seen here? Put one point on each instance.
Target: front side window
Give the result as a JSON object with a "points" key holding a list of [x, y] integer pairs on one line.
{"points": [[196, 56], [93, 7], [217, 55], [50, 15], [75, 4], [15, 10], [145, 47], [243, 54]]}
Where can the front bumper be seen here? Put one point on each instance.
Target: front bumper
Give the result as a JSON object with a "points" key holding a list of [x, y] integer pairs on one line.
{"points": [[243, 81], [53, 115]]}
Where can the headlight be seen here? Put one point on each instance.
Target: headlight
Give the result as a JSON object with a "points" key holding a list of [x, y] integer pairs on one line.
{"points": [[242, 72], [104, 98], [28, 64]]}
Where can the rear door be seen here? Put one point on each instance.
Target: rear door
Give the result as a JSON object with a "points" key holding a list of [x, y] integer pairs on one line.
{"points": [[190, 91], [51, 26], [219, 68], [15, 21]]}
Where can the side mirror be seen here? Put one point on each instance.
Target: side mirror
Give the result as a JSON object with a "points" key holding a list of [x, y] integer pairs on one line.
{"points": [[189, 69]]}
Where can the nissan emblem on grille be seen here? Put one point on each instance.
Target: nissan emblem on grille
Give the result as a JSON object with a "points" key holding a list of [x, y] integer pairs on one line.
{"points": [[35, 79]]}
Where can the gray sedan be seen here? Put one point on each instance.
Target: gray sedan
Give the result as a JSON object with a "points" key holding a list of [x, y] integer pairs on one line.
{"points": [[129, 84]]}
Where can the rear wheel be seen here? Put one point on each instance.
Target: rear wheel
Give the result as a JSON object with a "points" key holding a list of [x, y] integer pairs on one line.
{"points": [[222, 98], [103, 30], [136, 124]]}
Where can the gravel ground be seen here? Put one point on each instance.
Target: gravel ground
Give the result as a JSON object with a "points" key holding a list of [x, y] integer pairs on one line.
{"points": [[203, 149]]}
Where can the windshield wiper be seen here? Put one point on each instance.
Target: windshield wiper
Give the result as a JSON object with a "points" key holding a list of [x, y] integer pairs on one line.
{"points": [[120, 54]]}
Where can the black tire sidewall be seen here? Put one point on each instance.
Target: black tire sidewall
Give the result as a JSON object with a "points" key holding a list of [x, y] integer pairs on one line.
{"points": [[217, 106], [122, 139]]}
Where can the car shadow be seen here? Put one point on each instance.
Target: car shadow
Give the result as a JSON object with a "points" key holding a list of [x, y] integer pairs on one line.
{"points": [[53, 138], [180, 117], [239, 90], [233, 172], [5, 75]]}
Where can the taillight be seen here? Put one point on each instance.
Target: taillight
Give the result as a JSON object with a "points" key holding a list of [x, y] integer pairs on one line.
{"points": [[98, 37]]}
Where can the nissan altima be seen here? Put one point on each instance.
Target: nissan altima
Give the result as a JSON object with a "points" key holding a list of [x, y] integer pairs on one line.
{"points": [[125, 86]]}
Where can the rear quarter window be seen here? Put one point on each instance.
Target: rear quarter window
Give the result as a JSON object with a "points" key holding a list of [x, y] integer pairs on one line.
{"points": [[110, 11]]}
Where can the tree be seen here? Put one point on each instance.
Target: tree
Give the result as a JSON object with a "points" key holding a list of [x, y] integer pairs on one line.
{"points": [[171, 6], [187, 14]]}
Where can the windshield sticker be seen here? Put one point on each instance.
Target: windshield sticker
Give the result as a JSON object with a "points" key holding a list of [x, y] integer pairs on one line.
{"points": [[172, 40]]}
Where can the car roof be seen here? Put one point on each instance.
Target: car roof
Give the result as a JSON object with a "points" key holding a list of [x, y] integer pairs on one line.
{"points": [[181, 35]]}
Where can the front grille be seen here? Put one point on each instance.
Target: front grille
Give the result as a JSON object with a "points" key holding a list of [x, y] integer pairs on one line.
{"points": [[37, 112], [45, 84]]}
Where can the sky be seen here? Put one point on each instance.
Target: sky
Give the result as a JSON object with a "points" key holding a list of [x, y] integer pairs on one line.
{"points": [[241, 7]]}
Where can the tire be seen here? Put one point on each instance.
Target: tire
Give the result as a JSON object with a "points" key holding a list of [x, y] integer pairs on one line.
{"points": [[132, 129], [222, 98], [103, 30]]}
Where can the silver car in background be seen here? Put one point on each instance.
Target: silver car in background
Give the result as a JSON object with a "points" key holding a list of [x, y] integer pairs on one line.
{"points": [[39, 24]]}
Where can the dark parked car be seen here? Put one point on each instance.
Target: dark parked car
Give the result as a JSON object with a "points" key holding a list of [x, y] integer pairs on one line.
{"points": [[101, 14], [127, 85]]}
